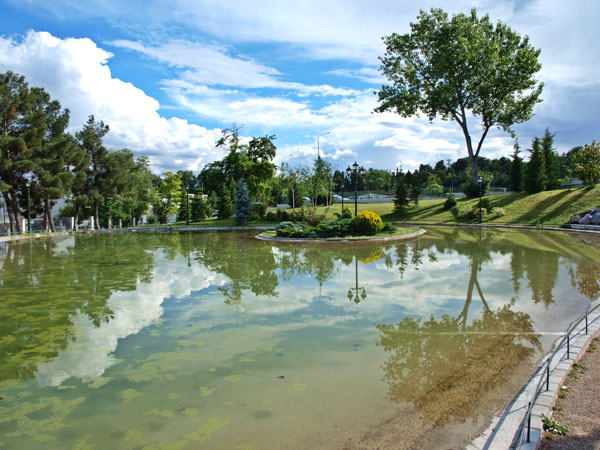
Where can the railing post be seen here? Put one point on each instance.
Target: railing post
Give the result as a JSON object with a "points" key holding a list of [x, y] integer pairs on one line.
{"points": [[528, 421], [586, 324], [548, 376], [568, 346]]}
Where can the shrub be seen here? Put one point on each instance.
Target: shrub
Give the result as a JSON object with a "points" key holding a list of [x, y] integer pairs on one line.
{"points": [[464, 212], [497, 211], [450, 202], [367, 222], [311, 217], [152, 219], [271, 216], [259, 209], [334, 228], [388, 226]]}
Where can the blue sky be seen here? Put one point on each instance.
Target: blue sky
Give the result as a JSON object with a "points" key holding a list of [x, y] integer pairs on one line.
{"points": [[169, 76]]}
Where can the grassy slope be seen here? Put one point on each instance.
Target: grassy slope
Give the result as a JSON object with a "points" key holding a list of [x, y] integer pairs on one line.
{"points": [[549, 208]]}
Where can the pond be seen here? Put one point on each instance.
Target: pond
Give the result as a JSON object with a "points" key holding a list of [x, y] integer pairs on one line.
{"points": [[218, 340]]}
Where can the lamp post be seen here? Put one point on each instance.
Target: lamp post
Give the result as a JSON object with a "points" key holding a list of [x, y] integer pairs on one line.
{"points": [[187, 207], [355, 171], [479, 180], [28, 183], [353, 292], [318, 148]]}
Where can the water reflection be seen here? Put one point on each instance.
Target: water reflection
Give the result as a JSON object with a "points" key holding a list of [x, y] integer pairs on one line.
{"points": [[51, 287], [46, 283], [445, 367]]}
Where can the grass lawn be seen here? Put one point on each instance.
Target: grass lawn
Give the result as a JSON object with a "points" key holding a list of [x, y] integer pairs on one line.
{"points": [[548, 208]]}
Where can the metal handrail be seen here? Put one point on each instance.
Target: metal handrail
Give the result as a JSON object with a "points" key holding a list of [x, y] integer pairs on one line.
{"points": [[546, 367]]}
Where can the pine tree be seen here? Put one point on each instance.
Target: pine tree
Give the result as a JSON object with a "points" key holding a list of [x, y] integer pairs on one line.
{"points": [[552, 161], [224, 205], [243, 207], [200, 209], [535, 172], [401, 201], [516, 170]]}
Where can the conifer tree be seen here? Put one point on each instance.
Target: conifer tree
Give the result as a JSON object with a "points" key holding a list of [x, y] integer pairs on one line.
{"points": [[552, 161], [200, 209], [516, 170], [224, 204], [401, 201], [243, 207], [535, 172]]}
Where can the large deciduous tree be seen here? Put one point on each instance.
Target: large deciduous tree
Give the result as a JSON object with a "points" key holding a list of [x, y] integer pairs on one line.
{"points": [[460, 67], [587, 163]]}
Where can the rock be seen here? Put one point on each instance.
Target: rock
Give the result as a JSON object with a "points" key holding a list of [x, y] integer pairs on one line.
{"points": [[586, 220]]}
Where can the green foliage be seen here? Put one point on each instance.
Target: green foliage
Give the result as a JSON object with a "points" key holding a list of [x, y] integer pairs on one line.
{"points": [[199, 209], [497, 211], [251, 162], [496, 80], [416, 190], [553, 427], [450, 202], [551, 159], [225, 204], [242, 205], [536, 178], [401, 200], [259, 210], [516, 170], [485, 203], [367, 222], [271, 216], [473, 190], [587, 163]]}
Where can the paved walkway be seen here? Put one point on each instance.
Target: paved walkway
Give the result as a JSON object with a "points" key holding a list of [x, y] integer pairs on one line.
{"points": [[579, 410]]}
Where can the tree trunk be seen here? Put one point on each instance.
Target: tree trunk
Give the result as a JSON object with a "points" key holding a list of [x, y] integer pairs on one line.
{"points": [[9, 212], [76, 215], [96, 222], [14, 214], [48, 210]]}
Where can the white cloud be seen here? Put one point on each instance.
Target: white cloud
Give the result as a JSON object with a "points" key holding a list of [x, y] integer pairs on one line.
{"points": [[75, 71]]}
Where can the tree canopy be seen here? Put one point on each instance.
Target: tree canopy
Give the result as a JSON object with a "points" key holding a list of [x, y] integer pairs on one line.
{"points": [[461, 66]]}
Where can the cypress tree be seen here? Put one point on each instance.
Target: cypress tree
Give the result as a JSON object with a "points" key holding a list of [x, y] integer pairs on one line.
{"points": [[516, 170], [243, 207], [552, 161], [535, 172]]}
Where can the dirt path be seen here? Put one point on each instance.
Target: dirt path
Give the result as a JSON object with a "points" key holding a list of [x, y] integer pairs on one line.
{"points": [[579, 408]]}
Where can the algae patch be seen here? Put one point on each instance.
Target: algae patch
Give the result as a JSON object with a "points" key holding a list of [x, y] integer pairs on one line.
{"points": [[204, 433], [129, 394]]}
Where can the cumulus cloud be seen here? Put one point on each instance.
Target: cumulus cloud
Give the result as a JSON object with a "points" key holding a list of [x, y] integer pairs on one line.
{"points": [[76, 72]]}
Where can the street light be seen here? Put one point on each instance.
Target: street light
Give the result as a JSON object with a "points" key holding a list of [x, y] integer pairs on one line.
{"points": [[187, 207], [362, 172], [479, 180], [28, 183], [318, 148]]}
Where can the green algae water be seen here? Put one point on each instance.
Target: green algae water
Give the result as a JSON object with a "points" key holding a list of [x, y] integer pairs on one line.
{"points": [[221, 341]]}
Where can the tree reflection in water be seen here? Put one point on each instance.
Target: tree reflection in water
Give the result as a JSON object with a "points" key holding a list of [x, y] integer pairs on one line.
{"points": [[445, 366]]}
